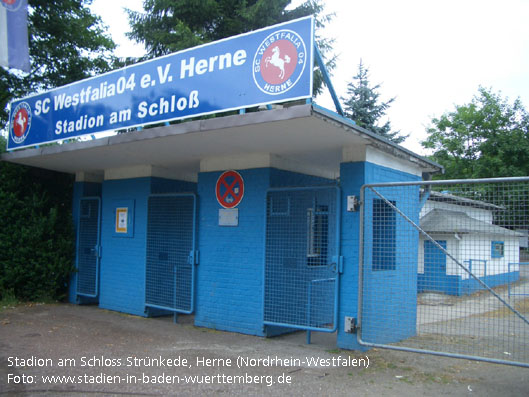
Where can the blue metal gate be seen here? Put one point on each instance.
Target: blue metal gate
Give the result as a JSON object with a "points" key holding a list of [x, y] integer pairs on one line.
{"points": [[423, 244], [88, 248], [302, 262], [171, 255]]}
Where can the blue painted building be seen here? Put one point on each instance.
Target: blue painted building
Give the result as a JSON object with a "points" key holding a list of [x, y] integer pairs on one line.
{"points": [[270, 247]]}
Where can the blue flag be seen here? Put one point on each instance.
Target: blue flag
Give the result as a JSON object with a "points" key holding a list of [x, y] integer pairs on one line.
{"points": [[14, 49]]}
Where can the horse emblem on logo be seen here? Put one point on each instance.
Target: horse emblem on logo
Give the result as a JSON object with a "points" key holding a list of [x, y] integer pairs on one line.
{"points": [[279, 62], [20, 122]]}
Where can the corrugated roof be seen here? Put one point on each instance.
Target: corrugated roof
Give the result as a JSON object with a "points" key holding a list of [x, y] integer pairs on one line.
{"points": [[457, 200], [445, 221]]}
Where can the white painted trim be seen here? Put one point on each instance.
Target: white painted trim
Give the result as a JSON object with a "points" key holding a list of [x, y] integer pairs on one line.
{"points": [[370, 154], [355, 153], [378, 157], [240, 162]]}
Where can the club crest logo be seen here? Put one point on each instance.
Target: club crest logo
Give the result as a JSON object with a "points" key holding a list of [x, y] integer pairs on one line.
{"points": [[20, 122], [279, 62], [11, 5]]}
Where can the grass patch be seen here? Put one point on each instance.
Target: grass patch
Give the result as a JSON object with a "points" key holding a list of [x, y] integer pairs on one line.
{"points": [[8, 299], [521, 306]]}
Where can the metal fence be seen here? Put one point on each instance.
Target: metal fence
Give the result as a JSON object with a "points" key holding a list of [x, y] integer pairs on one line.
{"points": [[170, 260], [88, 248], [443, 268], [301, 265]]}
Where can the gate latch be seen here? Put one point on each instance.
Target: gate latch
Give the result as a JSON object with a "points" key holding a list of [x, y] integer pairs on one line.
{"points": [[192, 259], [337, 264], [350, 326], [96, 251], [352, 204]]}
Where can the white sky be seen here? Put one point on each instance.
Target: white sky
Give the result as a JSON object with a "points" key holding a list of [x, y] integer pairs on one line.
{"points": [[430, 55]]}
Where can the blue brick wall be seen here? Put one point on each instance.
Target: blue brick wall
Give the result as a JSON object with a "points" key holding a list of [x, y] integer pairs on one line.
{"points": [[375, 316], [122, 267], [352, 177], [231, 271], [123, 258], [80, 190], [281, 178], [470, 285], [162, 185], [229, 284]]}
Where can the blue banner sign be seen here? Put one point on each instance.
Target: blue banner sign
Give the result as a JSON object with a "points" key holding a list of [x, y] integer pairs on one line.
{"points": [[266, 66]]}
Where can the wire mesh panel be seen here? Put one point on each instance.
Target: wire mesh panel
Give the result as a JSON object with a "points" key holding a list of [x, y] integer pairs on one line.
{"points": [[88, 247], [444, 268], [301, 258], [170, 252]]}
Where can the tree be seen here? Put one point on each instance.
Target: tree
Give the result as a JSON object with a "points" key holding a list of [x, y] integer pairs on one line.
{"points": [[363, 106], [66, 43], [488, 137], [168, 26], [36, 232]]}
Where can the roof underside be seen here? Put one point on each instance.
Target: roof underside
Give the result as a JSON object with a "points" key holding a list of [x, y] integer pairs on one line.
{"points": [[301, 134]]}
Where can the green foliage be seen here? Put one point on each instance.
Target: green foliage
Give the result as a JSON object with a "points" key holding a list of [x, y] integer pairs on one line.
{"points": [[36, 233], [364, 107], [66, 43], [488, 137], [8, 299], [168, 26]]}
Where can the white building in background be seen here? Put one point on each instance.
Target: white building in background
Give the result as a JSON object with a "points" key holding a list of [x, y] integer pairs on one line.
{"points": [[465, 229]]}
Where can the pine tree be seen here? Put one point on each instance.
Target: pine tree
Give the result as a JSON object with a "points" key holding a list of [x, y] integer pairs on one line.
{"points": [[364, 107]]}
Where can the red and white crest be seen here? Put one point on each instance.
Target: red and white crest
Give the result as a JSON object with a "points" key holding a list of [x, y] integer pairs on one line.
{"points": [[279, 62], [20, 122]]}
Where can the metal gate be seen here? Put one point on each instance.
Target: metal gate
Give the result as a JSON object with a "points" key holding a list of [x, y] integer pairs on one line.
{"points": [[302, 261], [171, 255], [442, 268], [88, 248]]}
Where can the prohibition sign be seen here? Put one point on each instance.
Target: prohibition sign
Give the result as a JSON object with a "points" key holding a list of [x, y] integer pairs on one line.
{"points": [[229, 189]]}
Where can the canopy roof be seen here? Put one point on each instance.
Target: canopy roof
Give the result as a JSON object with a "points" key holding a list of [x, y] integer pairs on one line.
{"points": [[303, 134]]}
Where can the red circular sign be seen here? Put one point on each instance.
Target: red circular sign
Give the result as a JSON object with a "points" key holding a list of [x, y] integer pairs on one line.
{"points": [[229, 189]]}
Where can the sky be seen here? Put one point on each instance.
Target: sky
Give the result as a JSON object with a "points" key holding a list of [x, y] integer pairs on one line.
{"points": [[429, 55]]}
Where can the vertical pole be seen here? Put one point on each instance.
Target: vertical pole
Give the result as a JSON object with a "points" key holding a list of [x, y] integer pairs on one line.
{"points": [[327, 80]]}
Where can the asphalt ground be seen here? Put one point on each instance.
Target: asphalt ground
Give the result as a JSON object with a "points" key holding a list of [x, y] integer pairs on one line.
{"points": [[63, 349]]}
